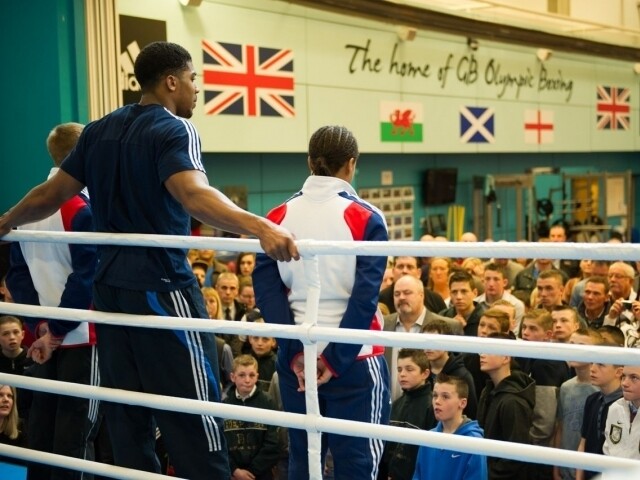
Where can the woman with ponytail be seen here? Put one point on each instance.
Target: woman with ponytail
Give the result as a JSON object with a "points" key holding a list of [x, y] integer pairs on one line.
{"points": [[353, 380]]}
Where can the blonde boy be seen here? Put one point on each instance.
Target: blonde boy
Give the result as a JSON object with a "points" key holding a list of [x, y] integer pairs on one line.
{"points": [[253, 447], [537, 326], [493, 320]]}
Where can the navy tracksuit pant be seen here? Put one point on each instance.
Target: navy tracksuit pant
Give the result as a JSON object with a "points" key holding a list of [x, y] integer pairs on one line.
{"points": [[361, 394], [62, 424], [166, 362]]}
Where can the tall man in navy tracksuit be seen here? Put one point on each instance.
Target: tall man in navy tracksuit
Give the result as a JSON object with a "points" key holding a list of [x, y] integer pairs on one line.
{"points": [[143, 168]]}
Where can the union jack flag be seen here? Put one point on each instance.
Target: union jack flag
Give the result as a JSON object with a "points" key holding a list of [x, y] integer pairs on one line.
{"points": [[247, 80], [613, 108]]}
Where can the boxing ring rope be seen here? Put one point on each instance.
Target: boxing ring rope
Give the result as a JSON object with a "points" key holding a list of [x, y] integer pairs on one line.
{"points": [[309, 334], [572, 251]]}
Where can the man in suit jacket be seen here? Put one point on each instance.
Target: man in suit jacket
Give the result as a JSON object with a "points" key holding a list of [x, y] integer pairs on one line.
{"points": [[410, 316], [228, 287]]}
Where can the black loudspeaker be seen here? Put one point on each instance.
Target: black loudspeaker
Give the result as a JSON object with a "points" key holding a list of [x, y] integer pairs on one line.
{"points": [[439, 186]]}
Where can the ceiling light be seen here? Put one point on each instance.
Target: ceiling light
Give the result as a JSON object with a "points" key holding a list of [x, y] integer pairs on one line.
{"points": [[544, 54], [406, 34]]}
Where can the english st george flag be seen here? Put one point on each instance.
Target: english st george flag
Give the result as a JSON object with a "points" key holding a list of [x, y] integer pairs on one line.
{"points": [[242, 79], [538, 126], [613, 108]]}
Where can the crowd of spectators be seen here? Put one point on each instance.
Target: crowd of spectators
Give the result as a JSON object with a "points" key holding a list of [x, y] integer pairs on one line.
{"points": [[543, 402]]}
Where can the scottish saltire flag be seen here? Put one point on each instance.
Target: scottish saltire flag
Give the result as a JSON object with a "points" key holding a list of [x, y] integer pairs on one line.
{"points": [[477, 125], [538, 126], [242, 79], [400, 121], [613, 108]]}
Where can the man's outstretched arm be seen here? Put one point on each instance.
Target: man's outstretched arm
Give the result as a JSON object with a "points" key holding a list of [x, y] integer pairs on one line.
{"points": [[41, 202], [191, 188]]}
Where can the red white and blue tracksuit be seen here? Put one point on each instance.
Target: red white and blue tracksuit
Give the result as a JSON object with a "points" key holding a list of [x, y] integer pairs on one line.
{"points": [[327, 208], [60, 275]]}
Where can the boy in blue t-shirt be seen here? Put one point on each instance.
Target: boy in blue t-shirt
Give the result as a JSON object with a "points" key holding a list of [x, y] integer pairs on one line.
{"points": [[449, 400]]}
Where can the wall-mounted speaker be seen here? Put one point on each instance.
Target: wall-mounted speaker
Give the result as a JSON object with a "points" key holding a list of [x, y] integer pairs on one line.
{"points": [[439, 186]]}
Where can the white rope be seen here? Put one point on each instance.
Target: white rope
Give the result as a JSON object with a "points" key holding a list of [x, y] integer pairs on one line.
{"points": [[309, 334], [496, 448], [71, 463], [314, 333], [567, 250], [314, 436], [314, 422]]}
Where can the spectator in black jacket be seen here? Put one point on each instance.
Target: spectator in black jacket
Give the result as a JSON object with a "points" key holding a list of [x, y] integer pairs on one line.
{"points": [[451, 365], [463, 306], [413, 409], [254, 448], [505, 410], [13, 357]]}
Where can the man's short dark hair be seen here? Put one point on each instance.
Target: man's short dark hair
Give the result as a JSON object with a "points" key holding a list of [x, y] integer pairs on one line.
{"points": [[438, 326], [417, 355], [568, 308], [417, 259], [614, 332], [461, 386], [157, 60], [462, 276], [598, 279], [494, 267], [555, 274]]}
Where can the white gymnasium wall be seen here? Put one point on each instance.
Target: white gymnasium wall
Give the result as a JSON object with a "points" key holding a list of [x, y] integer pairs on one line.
{"points": [[335, 83]]}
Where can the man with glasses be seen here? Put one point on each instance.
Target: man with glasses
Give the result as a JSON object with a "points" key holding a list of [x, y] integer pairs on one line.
{"points": [[625, 309], [621, 292]]}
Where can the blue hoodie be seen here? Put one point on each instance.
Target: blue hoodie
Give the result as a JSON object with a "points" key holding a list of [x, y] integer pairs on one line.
{"points": [[439, 464]]}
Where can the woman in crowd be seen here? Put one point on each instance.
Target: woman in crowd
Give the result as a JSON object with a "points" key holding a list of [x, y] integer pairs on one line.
{"points": [[439, 277]]}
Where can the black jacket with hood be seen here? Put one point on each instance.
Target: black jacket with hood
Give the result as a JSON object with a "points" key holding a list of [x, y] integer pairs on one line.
{"points": [[505, 412]]}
